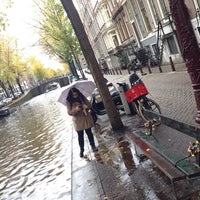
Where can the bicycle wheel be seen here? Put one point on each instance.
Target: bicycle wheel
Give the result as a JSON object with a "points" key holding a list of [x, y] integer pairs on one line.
{"points": [[149, 104]]}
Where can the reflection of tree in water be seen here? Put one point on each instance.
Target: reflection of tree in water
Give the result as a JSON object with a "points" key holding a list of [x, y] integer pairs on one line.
{"points": [[107, 153], [127, 156]]}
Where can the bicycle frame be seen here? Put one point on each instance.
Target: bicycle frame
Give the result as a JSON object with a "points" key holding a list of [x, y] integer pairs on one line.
{"points": [[137, 95]]}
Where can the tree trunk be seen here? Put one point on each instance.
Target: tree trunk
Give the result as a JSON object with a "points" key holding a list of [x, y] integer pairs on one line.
{"points": [[87, 50], [4, 88], [80, 68], [19, 84], [11, 90], [73, 69]]}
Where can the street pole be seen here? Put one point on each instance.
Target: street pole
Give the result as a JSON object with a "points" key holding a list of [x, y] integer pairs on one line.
{"points": [[189, 46], [87, 50]]}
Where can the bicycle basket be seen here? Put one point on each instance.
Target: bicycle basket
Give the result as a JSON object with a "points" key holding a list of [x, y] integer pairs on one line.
{"points": [[135, 92]]}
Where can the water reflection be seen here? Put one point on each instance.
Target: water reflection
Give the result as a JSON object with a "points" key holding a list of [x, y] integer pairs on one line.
{"points": [[34, 149], [126, 153]]}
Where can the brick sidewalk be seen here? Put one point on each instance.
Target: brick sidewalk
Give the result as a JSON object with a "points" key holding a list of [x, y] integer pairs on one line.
{"points": [[109, 174], [171, 90]]}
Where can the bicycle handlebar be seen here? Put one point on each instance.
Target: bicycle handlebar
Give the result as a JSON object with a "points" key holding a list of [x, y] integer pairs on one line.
{"points": [[135, 82], [120, 84]]}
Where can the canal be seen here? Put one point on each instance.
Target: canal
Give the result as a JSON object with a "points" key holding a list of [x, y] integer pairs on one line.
{"points": [[35, 150]]}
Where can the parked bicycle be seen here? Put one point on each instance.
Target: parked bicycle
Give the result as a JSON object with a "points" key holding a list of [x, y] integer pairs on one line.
{"points": [[137, 96]]}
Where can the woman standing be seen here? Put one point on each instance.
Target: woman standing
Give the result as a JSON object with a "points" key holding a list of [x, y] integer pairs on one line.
{"points": [[78, 107]]}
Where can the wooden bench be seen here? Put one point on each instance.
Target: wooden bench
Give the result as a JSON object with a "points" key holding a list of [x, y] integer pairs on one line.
{"points": [[174, 166], [166, 167]]}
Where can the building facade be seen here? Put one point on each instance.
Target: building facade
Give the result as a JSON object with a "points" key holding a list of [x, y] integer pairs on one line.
{"points": [[122, 29]]}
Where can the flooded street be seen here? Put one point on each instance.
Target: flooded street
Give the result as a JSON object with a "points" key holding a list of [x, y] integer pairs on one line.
{"points": [[35, 151]]}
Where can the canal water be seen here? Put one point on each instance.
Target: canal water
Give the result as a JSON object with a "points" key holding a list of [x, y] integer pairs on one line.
{"points": [[35, 151]]}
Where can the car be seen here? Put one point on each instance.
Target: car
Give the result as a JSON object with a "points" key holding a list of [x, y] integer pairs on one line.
{"points": [[4, 111], [52, 86], [97, 102], [87, 70], [16, 95], [2, 104], [7, 100]]}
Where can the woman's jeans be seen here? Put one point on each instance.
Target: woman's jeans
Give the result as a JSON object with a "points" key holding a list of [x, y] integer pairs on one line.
{"points": [[81, 138]]}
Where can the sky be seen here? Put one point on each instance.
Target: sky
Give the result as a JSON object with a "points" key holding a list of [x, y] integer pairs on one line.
{"points": [[21, 18]]}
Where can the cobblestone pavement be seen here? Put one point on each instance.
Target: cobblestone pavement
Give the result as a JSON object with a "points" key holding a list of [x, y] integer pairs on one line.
{"points": [[171, 90], [114, 174]]}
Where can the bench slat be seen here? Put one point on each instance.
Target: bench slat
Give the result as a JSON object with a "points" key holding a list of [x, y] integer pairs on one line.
{"points": [[167, 168]]}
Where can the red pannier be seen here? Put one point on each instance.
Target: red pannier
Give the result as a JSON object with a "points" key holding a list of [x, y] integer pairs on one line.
{"points": [[136, 91]]}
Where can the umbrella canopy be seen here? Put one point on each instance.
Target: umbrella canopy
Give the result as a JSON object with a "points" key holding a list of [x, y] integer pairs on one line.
{"points": [[86, 87]]}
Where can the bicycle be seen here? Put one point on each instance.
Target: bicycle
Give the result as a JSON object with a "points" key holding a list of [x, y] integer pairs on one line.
{"points": [[137, 96]]}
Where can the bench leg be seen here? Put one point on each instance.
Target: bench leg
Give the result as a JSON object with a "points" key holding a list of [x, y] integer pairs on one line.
{"points": [[174, 189]]}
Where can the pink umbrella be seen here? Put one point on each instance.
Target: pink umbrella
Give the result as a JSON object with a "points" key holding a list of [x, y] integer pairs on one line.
{"points": [[86, 87]]}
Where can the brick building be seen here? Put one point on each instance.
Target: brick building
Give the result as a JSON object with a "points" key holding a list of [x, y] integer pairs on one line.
{"points": [[121, 29]]}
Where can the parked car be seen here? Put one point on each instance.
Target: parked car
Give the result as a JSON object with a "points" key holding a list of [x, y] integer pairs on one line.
{"points": [[87, 70], [4, 111], [2, 104], [52, 86], [97, 102], [7, 100], [17, 95]]}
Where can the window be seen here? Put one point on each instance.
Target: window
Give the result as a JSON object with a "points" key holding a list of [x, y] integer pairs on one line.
{"points": [[163, 7], [139, 20], [198, 2], [154, 11], [114, 38], [119, 27], [144, 13], [172, 45], [129, 10], [106, 12], [122, 29], [155, 48]]}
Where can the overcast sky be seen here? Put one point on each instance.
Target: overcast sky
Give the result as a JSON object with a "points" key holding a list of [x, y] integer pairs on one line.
{"points": [[21, 18]]}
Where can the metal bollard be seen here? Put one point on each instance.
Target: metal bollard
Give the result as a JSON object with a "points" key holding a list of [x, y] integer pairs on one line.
{"points": [[172, 64]]}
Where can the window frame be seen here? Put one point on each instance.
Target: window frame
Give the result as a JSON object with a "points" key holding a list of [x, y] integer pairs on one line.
{"points": [[173, 49]]}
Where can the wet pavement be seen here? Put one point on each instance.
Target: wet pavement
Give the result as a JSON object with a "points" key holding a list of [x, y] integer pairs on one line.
{"points": [[171, 90], [50, 166], [119, 171]]}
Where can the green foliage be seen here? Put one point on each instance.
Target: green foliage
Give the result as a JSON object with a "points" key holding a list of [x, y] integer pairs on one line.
{"points": [[39, 71], [12, 69], [57, 37], [4, 5], [123, 60], [7, 60]]}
